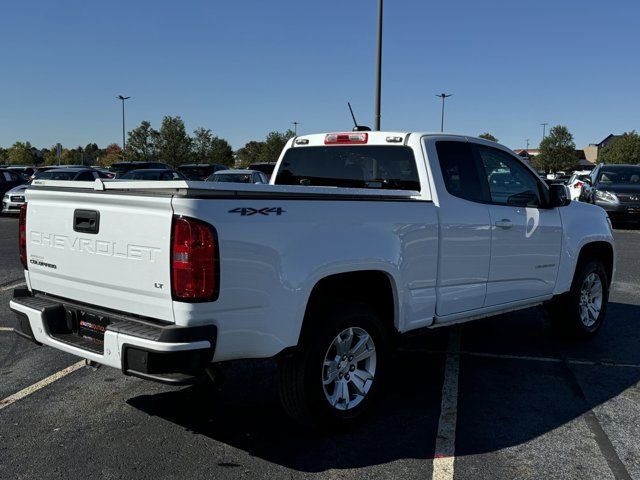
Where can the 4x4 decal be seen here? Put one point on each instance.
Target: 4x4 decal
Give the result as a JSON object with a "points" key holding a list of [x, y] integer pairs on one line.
{"points": [[248, 211]]}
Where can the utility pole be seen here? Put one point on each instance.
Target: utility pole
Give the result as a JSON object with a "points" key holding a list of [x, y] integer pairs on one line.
{"points": [[544, 130], [527, 144], [378, 69], [443, 96], [123, 139], [295, 127]]}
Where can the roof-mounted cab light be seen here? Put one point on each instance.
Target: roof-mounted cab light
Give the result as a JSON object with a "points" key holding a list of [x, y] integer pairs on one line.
{"points": [[346, 138], [302, 141], [394, 139]]}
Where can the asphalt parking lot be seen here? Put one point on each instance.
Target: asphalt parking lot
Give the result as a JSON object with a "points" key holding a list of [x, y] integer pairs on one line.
{"points": [[527, 405]]}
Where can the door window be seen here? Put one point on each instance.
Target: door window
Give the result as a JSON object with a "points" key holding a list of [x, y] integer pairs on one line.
{"points": [[85, 177], [510, 182], [460, 170]]}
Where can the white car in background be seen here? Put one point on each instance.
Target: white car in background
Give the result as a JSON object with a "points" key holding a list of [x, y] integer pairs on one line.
{"points": [[576, 181], [13, 199]]}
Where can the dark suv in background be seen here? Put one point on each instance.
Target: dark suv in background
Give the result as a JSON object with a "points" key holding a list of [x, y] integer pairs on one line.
{"points": [[616, 188], [200, 171], [120, 168]]}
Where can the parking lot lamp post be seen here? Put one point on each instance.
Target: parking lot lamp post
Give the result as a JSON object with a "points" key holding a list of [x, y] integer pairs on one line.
{"points": [[123, 139], [295, 127], [378, 69], [443, 96], [544, 130]]}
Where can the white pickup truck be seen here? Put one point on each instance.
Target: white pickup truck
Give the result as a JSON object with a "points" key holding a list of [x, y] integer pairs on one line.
{"points": [[360, 236]]}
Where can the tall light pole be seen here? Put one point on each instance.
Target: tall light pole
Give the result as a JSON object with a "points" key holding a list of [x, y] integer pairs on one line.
{"points": [[527, 144], [123, 140], [378, 69], [544, 129], [295, 127], [443, 96]]}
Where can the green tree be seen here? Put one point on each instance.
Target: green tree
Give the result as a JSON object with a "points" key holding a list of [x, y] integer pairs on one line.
{"points": [[112, 154], [142, 143], [91, 153], [251, 152], [207, 148], [4, 155], [488, 136], [624, 149], [21, 153], [557, 151], [274, 144], [173, 143]]}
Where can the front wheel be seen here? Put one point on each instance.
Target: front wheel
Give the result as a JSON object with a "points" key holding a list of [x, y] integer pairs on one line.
{"points": [[581, 311], [334, 378]]}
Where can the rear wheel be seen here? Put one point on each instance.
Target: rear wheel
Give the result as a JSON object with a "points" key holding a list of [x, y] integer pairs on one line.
{"points": [[334, 378], [581, 311]]}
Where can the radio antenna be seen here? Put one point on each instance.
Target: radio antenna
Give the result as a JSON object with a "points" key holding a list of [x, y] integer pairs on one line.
{"points": [[356, 127]]}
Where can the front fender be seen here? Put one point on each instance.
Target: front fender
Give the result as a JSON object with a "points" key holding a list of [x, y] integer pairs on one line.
{"points": [[582, 223]]}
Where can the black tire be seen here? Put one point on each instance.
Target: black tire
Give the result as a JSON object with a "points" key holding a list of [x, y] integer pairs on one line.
{"points": [[565, 310], [300, 375]]}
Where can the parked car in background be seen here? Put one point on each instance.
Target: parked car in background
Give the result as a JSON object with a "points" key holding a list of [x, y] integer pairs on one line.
{"points": [[77, 174], [105, 171], [9, 179], [200, 171], [576, 181], [13, 199], [264, 167], [238, 176], [152, 174], [44, 168], [120, 168], [25, 171], [616, 188]]}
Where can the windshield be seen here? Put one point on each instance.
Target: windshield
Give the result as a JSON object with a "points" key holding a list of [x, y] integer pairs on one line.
{"points": [[231, 178], [56, 175], [196, 172], [627, 175], [379, 166]]}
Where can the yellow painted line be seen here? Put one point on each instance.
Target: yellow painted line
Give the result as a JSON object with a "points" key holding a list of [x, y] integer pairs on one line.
{"points": [[20, 283], [41, 384]]}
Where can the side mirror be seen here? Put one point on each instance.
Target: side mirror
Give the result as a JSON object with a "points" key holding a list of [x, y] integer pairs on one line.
{"points": [[559, 195], [587, 181]]}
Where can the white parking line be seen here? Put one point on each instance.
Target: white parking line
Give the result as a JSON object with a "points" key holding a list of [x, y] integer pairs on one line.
{"points": [[6, 329], [12, 285], [444, 455], [41, 384]]}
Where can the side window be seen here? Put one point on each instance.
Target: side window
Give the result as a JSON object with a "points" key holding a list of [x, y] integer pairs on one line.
{"points": [[264, 178], [4, 177], [460, 170], [510, 182], [85, 177]]}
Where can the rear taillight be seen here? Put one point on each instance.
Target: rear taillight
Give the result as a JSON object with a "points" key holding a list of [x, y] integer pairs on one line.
{"points": [[194, 260], [579, 184], [22, 235]]}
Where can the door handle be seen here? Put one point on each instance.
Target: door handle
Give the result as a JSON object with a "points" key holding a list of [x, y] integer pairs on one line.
{"points": [[505, 224]]}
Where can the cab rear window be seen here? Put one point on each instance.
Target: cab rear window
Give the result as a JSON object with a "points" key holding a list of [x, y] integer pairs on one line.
{"points": [[371, 166]]}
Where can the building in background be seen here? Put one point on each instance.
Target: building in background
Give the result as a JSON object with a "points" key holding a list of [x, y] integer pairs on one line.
{"points": [[592, 151]]}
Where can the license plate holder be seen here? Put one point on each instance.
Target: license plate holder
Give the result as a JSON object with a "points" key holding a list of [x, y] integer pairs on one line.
{"points": [[91, 326]]}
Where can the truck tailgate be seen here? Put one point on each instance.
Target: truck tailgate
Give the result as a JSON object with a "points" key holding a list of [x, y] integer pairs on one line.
{"points": [[102, 249]]}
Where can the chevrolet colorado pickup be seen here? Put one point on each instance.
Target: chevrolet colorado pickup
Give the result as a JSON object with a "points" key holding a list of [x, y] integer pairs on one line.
{"points": [[360, 237]]}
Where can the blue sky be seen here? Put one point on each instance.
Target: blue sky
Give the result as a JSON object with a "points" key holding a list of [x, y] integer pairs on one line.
{"points": [[244, 68]]}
